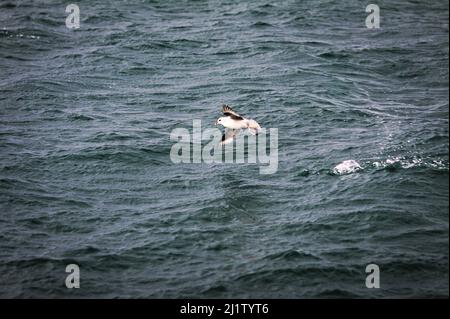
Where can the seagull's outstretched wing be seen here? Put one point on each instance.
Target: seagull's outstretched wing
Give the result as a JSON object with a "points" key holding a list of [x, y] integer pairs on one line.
{"points": [[228, 136], [228, 111]]}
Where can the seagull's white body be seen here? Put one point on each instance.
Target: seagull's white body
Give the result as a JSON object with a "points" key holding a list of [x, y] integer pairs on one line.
{"points": [[228, 122], [235, 122]]}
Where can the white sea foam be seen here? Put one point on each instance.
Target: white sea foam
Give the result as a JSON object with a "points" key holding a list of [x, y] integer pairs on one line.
{"points": [[347, 167], [415, 162]]}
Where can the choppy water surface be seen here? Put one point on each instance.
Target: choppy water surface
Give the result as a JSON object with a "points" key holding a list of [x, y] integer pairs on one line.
{"points": [[86, 177]]}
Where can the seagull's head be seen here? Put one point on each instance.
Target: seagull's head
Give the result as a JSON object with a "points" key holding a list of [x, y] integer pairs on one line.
{"points": [[220, 120]]}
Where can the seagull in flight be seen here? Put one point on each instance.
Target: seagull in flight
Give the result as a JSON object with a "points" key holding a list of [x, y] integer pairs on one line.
{"points": [[234, 123]]}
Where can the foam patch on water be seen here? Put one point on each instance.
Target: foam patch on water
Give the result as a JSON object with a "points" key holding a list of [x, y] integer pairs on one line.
{"points": [[6, 33], [347, 167], [391, 164], [416, 162]]}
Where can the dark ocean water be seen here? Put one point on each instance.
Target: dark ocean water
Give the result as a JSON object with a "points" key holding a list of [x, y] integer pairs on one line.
{"points": [[86, 177]]}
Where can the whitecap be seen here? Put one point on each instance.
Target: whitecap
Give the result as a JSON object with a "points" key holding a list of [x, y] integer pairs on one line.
{"points": [[347, 167]]}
